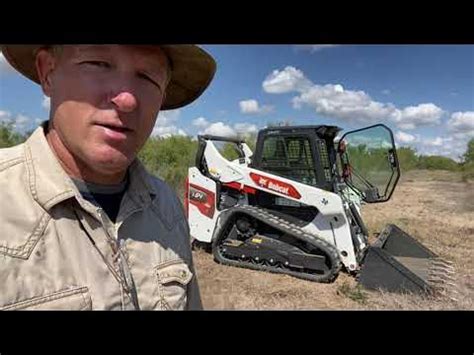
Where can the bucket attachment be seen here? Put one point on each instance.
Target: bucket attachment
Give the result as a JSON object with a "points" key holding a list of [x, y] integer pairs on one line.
{"points": [[396, 262]]}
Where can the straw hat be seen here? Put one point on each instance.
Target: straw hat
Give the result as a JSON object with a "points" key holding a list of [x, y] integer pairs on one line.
{"points": [[191, 73]]}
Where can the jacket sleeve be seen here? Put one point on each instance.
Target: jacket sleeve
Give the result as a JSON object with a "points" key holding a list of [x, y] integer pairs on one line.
{"points": [[194, 295]]}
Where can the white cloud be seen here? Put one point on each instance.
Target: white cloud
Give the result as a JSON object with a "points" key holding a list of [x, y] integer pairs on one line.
{"points": [[429, 146], [453, 148], [461, 124], [252, 107], [20, 123], [315, 47], [410, 117], [333, 100], [46, 102], [460, 131], [165, 118], [4, 65], [168, 131], [165, 125], [200, 122], [287, 80], [245, 128], [444, 146], [220, 129], [433, 142], [4, 116], [336, 102], [386, 92], [404, 138]]}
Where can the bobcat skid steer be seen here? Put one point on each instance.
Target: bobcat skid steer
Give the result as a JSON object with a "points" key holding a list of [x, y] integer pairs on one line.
{"points": [[294, 206]]}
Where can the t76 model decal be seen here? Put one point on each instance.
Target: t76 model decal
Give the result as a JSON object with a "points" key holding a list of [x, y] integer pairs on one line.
{"points": [[203, 199]]}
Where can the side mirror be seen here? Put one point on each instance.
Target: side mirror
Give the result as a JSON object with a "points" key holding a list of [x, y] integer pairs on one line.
{"points": [[369, 162]]}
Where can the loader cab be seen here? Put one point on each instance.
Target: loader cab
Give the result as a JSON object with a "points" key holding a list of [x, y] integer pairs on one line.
{"points": [[302, 153], [365, 159]]}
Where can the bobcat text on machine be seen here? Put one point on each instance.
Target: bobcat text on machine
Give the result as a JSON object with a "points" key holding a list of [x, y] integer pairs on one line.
{"points": [[293, 207]]}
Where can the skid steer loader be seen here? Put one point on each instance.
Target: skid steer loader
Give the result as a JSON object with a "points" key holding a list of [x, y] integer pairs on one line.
{"points": [[294, 206]]}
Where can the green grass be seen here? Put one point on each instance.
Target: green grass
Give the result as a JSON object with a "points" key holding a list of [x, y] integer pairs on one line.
{"points": [[355, 293]]}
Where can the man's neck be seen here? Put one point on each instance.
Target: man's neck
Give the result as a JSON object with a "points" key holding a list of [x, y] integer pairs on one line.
{"points": [[77, 169]]}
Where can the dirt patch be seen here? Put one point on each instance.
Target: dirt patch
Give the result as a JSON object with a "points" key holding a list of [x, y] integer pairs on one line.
{"points": [[435, 207]]}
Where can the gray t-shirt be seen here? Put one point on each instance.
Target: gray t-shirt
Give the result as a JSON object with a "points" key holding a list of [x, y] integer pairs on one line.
{"points": [[108, 197]]}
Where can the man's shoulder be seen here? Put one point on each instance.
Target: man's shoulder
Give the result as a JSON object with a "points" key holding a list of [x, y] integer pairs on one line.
{"points": [[166, 196], [22, 215], [12, 167], [166, 202], [162, 188], [11, 156]]}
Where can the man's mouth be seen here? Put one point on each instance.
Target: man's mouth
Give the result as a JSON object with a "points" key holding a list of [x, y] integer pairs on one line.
{"points": [[121, 129], [115, 132]]}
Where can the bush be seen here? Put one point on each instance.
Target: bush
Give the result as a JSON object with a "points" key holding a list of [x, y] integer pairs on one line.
{"points": [[469, 155], [169, 158], [435, 162], [468, 171], [8, 137], [407, 158]]}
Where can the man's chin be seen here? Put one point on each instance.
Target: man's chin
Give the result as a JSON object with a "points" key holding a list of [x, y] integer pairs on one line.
{"points": [[111, 163]]}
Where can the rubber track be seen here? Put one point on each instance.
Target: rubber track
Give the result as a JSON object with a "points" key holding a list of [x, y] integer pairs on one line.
{"points": [[285, 226]]}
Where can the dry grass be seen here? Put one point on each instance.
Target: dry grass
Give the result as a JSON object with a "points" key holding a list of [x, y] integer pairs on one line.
{"points": [[435, 207]]}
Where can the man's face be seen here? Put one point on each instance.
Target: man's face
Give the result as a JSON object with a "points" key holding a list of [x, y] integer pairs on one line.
{"points": [[105, 100]]}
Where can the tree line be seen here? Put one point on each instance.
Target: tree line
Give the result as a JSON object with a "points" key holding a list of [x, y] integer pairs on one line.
{"points": [[170, 157]]}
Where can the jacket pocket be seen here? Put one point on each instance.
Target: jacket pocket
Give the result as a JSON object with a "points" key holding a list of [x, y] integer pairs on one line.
{"points": [[173, 278], [74, 299]]}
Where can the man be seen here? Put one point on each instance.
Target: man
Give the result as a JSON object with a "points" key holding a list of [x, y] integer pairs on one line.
{"points": [[83, 225]]}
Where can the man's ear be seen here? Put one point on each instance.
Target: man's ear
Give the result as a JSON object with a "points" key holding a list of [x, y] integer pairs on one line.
{"points": [[45, 64]]}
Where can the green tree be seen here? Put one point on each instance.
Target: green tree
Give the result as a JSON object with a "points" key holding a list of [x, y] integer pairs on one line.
{"points": [[407, 158], [468, 157], [8, 137], [169, 159], [436, 162], [468, 161]]}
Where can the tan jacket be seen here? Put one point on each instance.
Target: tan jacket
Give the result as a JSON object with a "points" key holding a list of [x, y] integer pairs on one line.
{"points": [[59, 251]]}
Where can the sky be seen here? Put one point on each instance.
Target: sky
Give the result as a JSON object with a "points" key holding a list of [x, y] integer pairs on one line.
{"points": [[424, 93]]}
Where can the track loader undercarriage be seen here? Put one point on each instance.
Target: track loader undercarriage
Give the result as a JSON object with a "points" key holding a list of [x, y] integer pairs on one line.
{"points": [[284, 248]]}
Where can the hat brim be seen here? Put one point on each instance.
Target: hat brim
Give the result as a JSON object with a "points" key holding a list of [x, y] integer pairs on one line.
{"points": [[191, 73]]}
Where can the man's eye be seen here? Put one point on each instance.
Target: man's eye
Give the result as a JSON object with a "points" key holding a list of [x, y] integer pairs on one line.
{"points": [[97, 63], [146, 77]]}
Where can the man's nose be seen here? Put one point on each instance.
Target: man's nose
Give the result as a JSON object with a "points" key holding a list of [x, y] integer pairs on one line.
{"points": [[125, 101]]}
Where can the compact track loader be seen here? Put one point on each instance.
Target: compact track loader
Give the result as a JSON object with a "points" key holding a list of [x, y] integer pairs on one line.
{"points": [[294, 207]]}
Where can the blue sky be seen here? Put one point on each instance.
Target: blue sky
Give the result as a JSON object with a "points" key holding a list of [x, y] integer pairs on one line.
{"points": [[425, 93]]}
